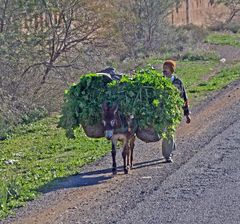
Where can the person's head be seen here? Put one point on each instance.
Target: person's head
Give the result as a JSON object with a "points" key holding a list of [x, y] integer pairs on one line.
{"points": [[169, 67]]}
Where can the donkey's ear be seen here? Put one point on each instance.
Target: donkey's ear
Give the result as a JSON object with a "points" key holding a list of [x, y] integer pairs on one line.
{"points": [[114, 108]]}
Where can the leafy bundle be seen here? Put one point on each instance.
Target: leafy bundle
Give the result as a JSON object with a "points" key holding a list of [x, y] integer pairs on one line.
{"points": [[151, 98], [82, 102], [147, 95]]}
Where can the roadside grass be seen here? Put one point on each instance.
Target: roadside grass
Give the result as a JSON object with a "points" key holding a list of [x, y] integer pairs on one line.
{"points": [[192, 73], [39, 152], [224, 39], [226, 76]]}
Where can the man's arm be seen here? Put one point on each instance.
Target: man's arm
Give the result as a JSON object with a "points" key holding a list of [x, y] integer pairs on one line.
{"points": [[186, 102]]}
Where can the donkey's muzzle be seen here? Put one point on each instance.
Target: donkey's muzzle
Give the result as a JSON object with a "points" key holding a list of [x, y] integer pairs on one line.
{"points": [[108, 134]]}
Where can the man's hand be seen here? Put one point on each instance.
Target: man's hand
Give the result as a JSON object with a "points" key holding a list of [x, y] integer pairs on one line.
{"points": [[188, 119]]}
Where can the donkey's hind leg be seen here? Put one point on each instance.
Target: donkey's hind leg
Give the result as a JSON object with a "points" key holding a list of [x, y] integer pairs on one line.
{"points": [[114, 164]]}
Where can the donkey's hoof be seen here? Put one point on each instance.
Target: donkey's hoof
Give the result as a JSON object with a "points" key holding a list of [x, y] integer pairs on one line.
{"points": [[114, 171], [125, 170]]}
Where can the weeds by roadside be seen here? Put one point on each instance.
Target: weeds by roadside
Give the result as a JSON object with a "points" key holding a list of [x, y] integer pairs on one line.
{"points": [[224, 39], [217, 82], [37, 154]]}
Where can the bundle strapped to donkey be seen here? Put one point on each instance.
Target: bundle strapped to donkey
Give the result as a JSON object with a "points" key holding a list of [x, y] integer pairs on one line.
{"points": [[94, 130], [97, 130], [148, 135]]}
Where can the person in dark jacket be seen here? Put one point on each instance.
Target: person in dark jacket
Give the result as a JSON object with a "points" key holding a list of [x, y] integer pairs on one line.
{"points": [[169, 145]]}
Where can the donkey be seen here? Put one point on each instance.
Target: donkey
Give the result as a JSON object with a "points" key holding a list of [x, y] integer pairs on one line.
{"points": [[119, 128]]}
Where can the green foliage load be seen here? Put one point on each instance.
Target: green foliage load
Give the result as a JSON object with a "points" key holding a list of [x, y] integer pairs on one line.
{"points": [[147, 95], [82, 102]]}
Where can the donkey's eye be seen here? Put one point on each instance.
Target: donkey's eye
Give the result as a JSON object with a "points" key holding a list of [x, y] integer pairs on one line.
{"points": [[112, 123], [104, 123]]}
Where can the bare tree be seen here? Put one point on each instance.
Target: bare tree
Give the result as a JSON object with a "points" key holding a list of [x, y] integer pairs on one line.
{"points": [[72, 25], [233, 5], [143, 23], [41, 39], [45, 45]]}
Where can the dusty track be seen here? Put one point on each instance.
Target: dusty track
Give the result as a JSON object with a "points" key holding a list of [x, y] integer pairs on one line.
{"points": [[95, 196]]}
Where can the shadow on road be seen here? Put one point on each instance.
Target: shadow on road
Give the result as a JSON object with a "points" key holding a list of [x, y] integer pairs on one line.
{"points": [[148, 163], [91, 178], [78, 180]]}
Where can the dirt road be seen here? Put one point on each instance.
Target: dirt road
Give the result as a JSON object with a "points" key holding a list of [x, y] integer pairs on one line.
{"points": [[201, 186]]}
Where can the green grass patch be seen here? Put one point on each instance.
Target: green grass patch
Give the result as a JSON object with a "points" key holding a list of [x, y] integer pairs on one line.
{"points": [[37, 154], [217, 82], [192, 73], [224, 39], [200, 56]]}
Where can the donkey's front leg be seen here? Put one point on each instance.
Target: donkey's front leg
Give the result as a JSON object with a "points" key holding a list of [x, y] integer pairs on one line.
{"points": [[132, 144], [125, 155], [114, 164]]}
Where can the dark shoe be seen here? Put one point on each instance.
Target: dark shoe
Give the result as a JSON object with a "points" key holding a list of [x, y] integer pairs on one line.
{"points": [[168, 160]]}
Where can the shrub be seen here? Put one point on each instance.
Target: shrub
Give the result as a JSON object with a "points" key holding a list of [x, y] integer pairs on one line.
{"points": [[217, 27], [34, 115], [8, 123], [193, 32], [4, 129], [233, 27]]}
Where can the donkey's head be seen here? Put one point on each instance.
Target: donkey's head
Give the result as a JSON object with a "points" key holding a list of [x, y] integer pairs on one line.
{"points": [[109, 119]]}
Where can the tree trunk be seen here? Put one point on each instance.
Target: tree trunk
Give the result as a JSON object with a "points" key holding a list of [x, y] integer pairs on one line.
{"points": [[187, 12], [232, 15]]}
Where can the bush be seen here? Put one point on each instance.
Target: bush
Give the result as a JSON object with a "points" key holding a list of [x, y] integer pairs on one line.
{"points": [[5, 129], [217, 27], [25, 116], [194, 33], [34, 115], [233, 27]]}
